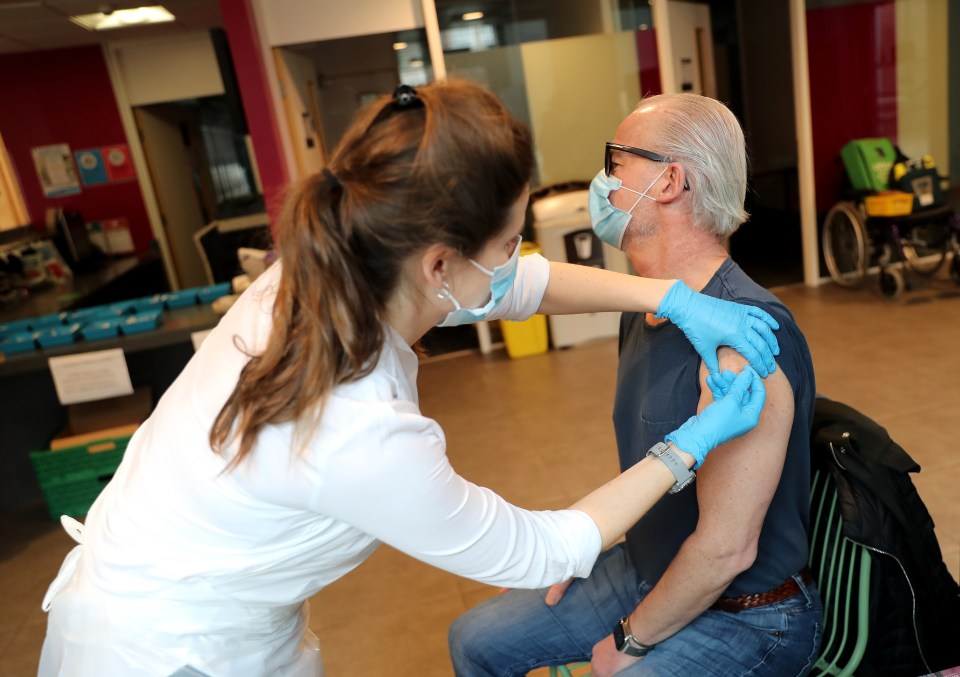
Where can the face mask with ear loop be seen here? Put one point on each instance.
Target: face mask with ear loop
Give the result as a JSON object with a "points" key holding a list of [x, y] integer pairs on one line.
{"points": [[609, 222], [501, 280]]}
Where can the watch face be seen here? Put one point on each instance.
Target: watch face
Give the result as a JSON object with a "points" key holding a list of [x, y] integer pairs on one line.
{"points": [[618, 638]]}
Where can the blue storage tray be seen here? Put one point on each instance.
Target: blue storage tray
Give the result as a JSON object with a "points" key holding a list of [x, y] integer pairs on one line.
{"points": [[212, 292], [181, 299], [147, 303], [15, 327], [45, 321], [83, 314], [141, 322], [101, 329], [17, 342], [121, 307], [57, 336]]}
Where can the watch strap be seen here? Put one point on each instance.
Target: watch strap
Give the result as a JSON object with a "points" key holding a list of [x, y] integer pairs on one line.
{"points": [[625, 642], [684, 475]]}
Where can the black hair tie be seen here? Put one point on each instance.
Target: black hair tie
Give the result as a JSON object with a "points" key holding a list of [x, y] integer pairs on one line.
{"points": [[405, 97], [332, 181]]}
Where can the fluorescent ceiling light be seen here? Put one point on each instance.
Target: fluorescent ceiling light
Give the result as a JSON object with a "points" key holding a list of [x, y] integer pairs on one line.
{"points": [[399, 45], [472, 16], [123, 18]]}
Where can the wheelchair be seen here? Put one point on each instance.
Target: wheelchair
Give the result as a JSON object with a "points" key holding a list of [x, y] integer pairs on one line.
{"points": [[905, 232]]}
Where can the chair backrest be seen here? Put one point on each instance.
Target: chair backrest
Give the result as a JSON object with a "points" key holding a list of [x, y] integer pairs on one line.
{"points": [[841, 569], [219, 241]]}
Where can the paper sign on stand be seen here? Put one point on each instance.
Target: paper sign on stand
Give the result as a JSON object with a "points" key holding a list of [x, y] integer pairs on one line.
{"points": [[197, 337], [90, 376]]}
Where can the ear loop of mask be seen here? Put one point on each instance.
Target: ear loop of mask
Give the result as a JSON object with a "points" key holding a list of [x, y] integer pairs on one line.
{"points": [[644, 193], [445, 292]]}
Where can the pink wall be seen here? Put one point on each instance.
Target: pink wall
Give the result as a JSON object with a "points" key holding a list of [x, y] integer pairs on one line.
{"points": [[240, 25], [853, 84], [65, 96]]}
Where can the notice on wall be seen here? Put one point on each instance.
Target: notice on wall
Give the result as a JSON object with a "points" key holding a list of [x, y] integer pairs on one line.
{"points": [[55, 169], [93, 171], [118, 162], [90, 376]]}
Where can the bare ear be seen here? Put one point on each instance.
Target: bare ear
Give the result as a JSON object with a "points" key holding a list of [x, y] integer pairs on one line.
{"points": [[676, 183], [435, 264]]}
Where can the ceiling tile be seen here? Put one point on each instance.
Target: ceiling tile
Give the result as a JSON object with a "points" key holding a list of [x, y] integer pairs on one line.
{"points": [[24, 23], [72, 7], [9, 46], [14, 14]]}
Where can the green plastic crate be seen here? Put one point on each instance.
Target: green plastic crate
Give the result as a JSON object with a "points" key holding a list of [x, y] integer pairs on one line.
{"points": [[868, 163], [72, 478]]}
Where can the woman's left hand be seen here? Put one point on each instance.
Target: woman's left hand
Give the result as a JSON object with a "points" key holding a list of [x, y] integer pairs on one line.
{"points": [[709, 323]]}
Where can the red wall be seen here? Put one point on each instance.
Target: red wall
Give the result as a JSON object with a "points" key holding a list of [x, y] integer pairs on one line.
{"points": [[649, 62], [65, 96], [853, 84], [240, 24]]}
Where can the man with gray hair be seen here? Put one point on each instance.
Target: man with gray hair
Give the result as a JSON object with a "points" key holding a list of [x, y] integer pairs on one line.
{"points": [[712, 581]]}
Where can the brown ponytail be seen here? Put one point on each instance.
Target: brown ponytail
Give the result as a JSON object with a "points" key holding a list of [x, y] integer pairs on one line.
{"points": [[404, 177]]}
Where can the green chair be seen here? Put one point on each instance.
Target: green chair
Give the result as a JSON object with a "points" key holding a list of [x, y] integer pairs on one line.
{"points": [[841, 569]]}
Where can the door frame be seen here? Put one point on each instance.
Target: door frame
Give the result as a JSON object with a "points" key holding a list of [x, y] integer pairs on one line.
{"points": [[803, 118], [139, 158]]}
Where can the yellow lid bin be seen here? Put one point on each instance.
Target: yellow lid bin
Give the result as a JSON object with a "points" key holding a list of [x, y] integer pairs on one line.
{"points": [[530, 336]]}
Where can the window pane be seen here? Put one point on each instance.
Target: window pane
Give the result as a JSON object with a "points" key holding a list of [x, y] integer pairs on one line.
{"points": [[561, 67]]}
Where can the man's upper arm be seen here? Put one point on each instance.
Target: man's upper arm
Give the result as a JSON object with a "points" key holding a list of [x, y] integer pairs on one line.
{"points": [[738, 480]]}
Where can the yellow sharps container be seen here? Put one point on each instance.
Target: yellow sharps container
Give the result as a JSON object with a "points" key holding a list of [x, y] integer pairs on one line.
{"points": [[530, 336]]}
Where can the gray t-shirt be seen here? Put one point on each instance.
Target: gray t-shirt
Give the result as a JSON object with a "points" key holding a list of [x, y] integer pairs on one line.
{"points": [[658, 389]]}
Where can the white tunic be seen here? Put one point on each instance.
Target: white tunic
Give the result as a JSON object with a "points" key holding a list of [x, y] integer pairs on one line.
{"points": [[186, 565]]}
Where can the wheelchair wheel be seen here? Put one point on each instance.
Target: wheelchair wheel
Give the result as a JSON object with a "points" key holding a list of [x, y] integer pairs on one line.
{"points": [[845, 244], [925, 248], [891, 283]]}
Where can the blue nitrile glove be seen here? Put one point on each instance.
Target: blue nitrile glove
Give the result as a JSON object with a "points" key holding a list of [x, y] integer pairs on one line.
{"points": [[737, 411], [709, 323]]}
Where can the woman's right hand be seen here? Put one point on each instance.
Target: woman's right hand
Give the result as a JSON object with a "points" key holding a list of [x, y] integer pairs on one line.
{"points": [[738, 401]]}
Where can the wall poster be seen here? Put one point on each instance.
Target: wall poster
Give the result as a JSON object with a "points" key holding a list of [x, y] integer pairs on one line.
{"points": [[55, 169]]}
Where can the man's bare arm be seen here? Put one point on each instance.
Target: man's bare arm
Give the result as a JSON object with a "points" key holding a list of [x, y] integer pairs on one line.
{"points": [[734, 489]]}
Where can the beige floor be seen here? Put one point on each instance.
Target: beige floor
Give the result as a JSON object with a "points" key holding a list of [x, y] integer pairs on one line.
{"points": [[538, 431]]}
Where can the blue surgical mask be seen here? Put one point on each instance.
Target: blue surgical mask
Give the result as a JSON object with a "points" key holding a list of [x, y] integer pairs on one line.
{"points": [[501, 280], [609, 222]]}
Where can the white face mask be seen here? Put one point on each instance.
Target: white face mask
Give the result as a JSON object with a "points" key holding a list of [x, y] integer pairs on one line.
{"points": [[501, 280]]}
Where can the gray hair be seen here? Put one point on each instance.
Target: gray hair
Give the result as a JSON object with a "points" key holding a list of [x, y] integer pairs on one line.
{"points": [[705, 137]]}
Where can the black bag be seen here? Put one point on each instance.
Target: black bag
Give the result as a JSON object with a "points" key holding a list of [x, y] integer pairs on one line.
{"points": [[920, 178], [915, 603]]}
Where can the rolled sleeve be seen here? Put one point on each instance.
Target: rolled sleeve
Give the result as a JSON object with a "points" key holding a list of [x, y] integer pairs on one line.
{"points": [[525, 296]]}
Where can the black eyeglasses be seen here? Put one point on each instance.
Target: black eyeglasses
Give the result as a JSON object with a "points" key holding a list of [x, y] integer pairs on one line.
{"points": [[611, 147], [650, 155]]}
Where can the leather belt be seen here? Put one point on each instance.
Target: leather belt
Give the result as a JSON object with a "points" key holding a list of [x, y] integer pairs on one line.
{"points": [[787, 589]]}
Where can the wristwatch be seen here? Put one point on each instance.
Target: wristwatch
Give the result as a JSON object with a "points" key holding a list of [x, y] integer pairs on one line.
{"points": [[665, 453], [626, 643]]}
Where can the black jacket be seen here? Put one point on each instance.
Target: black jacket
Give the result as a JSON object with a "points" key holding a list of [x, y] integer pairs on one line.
{"points": [[915, 603]]}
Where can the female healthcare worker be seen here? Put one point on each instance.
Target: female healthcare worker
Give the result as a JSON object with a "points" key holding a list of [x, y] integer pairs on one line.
{"points": [[292, 443]]}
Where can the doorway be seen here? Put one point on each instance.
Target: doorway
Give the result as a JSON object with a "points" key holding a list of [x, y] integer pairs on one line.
{"points": [[201, 172], [747, 65]]}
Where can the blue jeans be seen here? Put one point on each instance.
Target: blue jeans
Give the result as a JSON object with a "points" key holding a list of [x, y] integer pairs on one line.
{"points": [[516, 632]]}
